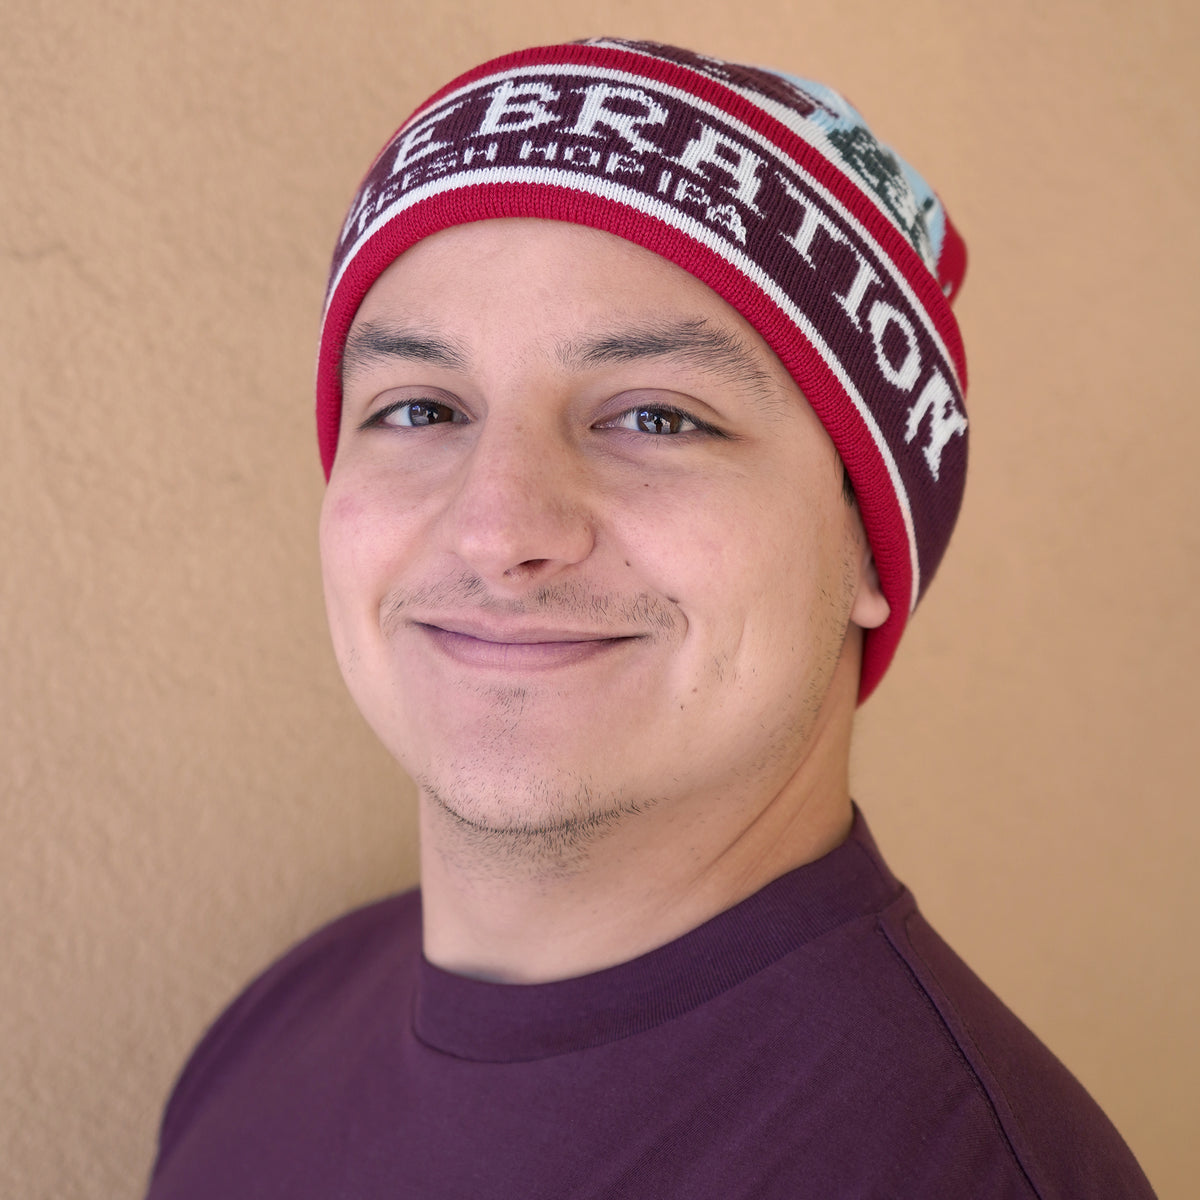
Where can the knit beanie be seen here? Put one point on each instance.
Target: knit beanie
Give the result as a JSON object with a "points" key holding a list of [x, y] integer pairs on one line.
{"points": [[771, 190]]}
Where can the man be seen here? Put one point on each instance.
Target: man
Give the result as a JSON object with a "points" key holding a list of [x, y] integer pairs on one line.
{"points": [[640, 399]]}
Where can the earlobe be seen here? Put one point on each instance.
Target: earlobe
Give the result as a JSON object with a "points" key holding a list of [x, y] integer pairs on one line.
{"points": [[870, 608]]}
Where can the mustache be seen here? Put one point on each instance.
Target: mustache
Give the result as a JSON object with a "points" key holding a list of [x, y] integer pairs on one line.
{"points": [[570, 601]]}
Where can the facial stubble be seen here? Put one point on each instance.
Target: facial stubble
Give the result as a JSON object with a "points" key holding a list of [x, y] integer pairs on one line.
{"points": [[503, 804], [508, 807]]}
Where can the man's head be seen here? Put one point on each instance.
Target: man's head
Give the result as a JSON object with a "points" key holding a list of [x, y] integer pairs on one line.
{"points": [[585, 543], [770, 191]]}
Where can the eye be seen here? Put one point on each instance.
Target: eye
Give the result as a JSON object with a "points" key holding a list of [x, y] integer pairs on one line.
{"points": [[656, 420], [412, 414]]}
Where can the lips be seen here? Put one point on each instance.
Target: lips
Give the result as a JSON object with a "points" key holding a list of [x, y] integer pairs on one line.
{"points": [[518, 647]]}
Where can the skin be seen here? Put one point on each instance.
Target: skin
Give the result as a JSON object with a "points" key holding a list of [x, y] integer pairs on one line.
{"points": [[592, 580]]}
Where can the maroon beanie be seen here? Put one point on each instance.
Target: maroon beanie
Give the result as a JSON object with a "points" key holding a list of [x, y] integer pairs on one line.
{"points": [[769, 189]]}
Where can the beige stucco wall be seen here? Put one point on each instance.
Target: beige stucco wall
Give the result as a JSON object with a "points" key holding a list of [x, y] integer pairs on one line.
{"points": [[185, 788]]}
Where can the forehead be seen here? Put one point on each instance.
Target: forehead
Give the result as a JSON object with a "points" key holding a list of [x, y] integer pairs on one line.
{"points": [[545, 280], [505, 296]]}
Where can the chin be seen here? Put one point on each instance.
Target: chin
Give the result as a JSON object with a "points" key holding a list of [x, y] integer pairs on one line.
{"points": [[524, 809]]}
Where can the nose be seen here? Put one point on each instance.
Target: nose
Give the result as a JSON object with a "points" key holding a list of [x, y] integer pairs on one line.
{"points": [[520, 513]]}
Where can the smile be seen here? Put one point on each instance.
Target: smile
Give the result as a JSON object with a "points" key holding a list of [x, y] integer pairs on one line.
{"points": [[520, 650]]}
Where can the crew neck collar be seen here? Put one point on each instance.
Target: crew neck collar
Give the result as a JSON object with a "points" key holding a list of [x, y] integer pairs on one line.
{"points": [[506, 1022]]}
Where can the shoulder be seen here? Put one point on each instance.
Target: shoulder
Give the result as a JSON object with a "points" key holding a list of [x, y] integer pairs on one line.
{"points": [[310, 998], [1057, 1135]]}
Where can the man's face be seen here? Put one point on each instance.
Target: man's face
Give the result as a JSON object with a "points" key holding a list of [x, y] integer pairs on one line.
{"points": [[585, 548]]}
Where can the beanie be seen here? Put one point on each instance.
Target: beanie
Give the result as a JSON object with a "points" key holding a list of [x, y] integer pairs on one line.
{"points": [[768, 188]]}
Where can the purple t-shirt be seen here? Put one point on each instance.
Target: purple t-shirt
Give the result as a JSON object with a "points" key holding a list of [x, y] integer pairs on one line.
{"points": [[818, 1040]]}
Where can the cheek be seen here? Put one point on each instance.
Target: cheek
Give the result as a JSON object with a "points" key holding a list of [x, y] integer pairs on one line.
{"points": [[675, 547], [357, 542], [335, 540], [718, 557], [364, 529], [340, 535], [769, 589]]}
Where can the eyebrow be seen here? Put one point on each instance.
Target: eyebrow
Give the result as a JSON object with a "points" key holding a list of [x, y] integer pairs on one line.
{"points": [[370, 342], [695, 343]]}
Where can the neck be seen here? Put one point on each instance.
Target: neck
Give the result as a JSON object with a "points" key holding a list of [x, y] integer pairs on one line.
{"points": [[528, 906]]}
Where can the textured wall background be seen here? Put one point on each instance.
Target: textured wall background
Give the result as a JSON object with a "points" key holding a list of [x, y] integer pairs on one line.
{"points": [[185, 787]]}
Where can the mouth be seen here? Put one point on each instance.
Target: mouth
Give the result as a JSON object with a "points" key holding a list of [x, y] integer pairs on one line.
{"points": [[519, 648]]}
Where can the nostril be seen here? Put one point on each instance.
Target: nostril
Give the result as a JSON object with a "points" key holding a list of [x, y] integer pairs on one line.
{"points": [[529, 566]]}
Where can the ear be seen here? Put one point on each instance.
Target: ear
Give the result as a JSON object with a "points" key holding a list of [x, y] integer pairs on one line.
{"points": [[870, 608]]}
